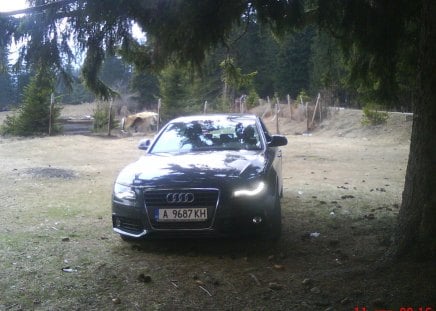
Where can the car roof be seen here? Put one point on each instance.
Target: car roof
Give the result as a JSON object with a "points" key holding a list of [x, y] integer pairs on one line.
{"points": [[216, 116]]}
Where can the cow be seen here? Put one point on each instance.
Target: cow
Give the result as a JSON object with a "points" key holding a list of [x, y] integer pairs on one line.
{"points": [[140, 122]]}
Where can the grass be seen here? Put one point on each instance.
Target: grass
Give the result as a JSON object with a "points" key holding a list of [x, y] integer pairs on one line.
{"points": [[53, 223], [36, 279]]}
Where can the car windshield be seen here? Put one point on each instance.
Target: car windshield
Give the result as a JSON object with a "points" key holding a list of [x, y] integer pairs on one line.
{"points": [[227, 133]]}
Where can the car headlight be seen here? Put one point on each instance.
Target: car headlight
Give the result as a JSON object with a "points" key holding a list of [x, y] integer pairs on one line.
{"points": [[256, 190], [124, 192]]}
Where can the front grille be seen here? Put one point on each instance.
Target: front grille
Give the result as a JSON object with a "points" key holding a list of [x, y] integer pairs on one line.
{"points": [[157, 199]]}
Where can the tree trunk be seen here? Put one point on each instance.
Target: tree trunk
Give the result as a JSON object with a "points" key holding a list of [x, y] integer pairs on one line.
{"points": [[416, 230]]}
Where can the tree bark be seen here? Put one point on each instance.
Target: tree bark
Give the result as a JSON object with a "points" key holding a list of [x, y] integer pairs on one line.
{"points": [[416, 231]]}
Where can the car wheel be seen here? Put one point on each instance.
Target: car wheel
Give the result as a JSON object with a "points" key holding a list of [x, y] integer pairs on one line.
{"points": [[276, 221], [127, 238]]}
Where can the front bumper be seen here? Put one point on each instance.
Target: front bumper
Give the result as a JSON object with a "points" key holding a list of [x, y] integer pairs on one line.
{"points": [[227, 216]]}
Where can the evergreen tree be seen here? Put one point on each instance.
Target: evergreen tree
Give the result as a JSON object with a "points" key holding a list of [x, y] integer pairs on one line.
{"points": [[115, 73], [174, 88], [6, 92], [330, 73], [35, 115], [6, 85], [145, 86], [208, 82], [21, 78], [256, 51], [74, 93], [295, 63]]}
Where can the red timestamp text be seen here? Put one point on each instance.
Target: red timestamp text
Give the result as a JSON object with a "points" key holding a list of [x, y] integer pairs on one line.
{"points": [[426, 308]]}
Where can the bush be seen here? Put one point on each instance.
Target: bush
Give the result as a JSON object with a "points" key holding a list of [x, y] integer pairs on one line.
{"points": [[101, 117], [252, 99], [303, 97], [10, 126], [372, 115]]}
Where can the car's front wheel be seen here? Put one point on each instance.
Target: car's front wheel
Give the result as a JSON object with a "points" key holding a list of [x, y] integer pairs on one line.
{"points": [[127, 238], [276, 220]]}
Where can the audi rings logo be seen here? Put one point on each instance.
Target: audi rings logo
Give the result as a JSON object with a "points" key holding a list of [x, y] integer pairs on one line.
{"points": [[180, 197]]}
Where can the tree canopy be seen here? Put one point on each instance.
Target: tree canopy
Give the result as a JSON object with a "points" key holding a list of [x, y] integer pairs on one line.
{"points": [[176, 31], [179, 31], [378, 37]]}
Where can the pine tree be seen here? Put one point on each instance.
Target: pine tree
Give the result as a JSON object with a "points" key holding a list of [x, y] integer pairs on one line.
{"points": [[6, 85], [34, 115]]}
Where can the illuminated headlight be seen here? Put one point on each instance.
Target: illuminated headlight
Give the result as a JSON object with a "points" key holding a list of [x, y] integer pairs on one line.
{"points": [[124, 192], [256, 190]]}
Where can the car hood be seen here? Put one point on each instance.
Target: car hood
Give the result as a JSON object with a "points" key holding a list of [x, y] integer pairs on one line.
{"points": [[193, 168]]}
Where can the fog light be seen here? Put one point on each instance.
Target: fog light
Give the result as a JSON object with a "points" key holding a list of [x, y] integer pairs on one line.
{"points": [[117, 222], [257, 220]]}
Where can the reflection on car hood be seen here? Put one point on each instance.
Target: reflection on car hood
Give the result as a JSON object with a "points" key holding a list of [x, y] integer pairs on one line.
{"points": [[193, 167]]}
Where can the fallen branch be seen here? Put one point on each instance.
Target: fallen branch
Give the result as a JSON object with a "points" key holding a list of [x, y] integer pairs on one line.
{"points": [[204, 289], [255, 279]]}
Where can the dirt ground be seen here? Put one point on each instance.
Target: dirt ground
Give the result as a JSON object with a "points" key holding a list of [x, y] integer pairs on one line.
{"points": [[343, 185]]}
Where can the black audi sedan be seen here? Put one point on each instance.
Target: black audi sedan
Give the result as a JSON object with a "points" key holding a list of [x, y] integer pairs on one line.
{"points": [[205, 175]]}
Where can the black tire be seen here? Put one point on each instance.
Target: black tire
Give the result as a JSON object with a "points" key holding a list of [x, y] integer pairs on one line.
{"points": [[127, 238], [276, 221]]}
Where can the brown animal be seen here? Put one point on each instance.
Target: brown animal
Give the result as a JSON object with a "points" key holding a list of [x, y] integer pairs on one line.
{"points": [[140, 122]]}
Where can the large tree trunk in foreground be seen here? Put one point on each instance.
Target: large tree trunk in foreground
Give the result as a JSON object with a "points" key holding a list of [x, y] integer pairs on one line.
{"points": [[416, 231]]}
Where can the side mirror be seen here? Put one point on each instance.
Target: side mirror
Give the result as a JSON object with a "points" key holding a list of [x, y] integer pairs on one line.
{"points": [[277, 141], [144, 144]]}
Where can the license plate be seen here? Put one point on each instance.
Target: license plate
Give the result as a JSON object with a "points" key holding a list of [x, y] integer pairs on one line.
{"points": [[181, 214]]}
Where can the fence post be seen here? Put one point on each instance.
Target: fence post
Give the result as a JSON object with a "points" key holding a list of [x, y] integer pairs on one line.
{"points": [[241, 104], [289, 105], [159, 104], [320, 109], [307, 118], [109, 122], [265, 112], [277, 115], [50, 120], [314, 111]]}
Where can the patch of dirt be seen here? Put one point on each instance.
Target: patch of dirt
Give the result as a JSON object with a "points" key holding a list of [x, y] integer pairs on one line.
{"points": [[342, 193], [50, 172]]}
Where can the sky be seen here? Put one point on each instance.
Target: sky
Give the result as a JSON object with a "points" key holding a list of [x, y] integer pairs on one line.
{"points": [[12, 5]]}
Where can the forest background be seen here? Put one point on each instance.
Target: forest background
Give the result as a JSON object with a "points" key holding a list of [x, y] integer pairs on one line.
{"points": [[303, 63]]}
